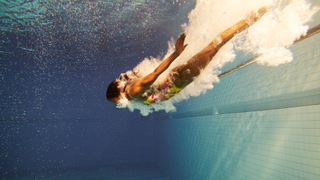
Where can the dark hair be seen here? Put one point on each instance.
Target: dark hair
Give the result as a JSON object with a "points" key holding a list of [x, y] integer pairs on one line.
{"points": [[113, 90]]}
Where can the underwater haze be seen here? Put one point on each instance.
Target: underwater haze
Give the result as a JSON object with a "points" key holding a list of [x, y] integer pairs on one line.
{"points": [[57, 59]]}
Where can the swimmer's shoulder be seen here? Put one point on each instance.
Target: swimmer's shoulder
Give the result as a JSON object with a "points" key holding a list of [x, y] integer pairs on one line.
{"points": [[131, 91], [135, 94]]}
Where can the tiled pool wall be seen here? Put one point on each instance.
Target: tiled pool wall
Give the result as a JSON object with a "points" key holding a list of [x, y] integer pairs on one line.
{"points": [[258, 123]]}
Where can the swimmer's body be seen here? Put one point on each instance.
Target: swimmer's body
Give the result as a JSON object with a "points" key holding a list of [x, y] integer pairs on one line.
{"points": [[180, 76]]}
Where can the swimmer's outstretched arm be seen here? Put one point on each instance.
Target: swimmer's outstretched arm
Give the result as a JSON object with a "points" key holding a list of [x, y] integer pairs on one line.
{"points": [[138, 87], [184, 74], [229, 33]]}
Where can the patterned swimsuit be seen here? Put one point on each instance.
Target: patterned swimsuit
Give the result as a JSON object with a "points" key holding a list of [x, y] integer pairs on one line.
{"points": [[163, 94]]}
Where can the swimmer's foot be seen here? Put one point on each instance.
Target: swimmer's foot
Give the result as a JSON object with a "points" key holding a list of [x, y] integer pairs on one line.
{"points": [[256, 15]]}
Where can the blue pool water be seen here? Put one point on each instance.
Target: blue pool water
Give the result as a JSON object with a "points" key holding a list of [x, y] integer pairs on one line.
{"points": [[58, 57]]}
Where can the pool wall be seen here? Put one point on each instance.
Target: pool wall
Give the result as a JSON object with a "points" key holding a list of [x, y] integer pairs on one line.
{"points": [[258, 123]]}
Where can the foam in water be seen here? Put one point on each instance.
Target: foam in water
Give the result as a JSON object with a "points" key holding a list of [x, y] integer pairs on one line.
{"points": [[268, 39]]}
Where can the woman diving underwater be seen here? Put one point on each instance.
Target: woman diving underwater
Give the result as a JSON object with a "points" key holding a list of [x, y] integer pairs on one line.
{"points": [[144, 90]]}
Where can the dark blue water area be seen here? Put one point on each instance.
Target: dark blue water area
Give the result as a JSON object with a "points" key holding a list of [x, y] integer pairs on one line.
{"points": [[55, 118], [54, 114], [115, 172]]}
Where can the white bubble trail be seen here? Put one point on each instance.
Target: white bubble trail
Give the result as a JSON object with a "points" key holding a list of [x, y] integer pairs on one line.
{"points": [[268, 39]]}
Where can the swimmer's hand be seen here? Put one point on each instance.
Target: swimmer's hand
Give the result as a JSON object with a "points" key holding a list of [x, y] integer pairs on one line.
{"points": [[180, 43], [137, 88]]}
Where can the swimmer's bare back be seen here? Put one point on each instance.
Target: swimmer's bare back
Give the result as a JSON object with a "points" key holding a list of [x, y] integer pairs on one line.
{"points": [[183, 75]]}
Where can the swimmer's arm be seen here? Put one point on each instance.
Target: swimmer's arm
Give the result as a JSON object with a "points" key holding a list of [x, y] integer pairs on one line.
{"points": [[137, 88], [166, 63]]}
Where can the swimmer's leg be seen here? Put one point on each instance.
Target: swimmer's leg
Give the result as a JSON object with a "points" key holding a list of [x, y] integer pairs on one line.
{"points": [[184, 74]]}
